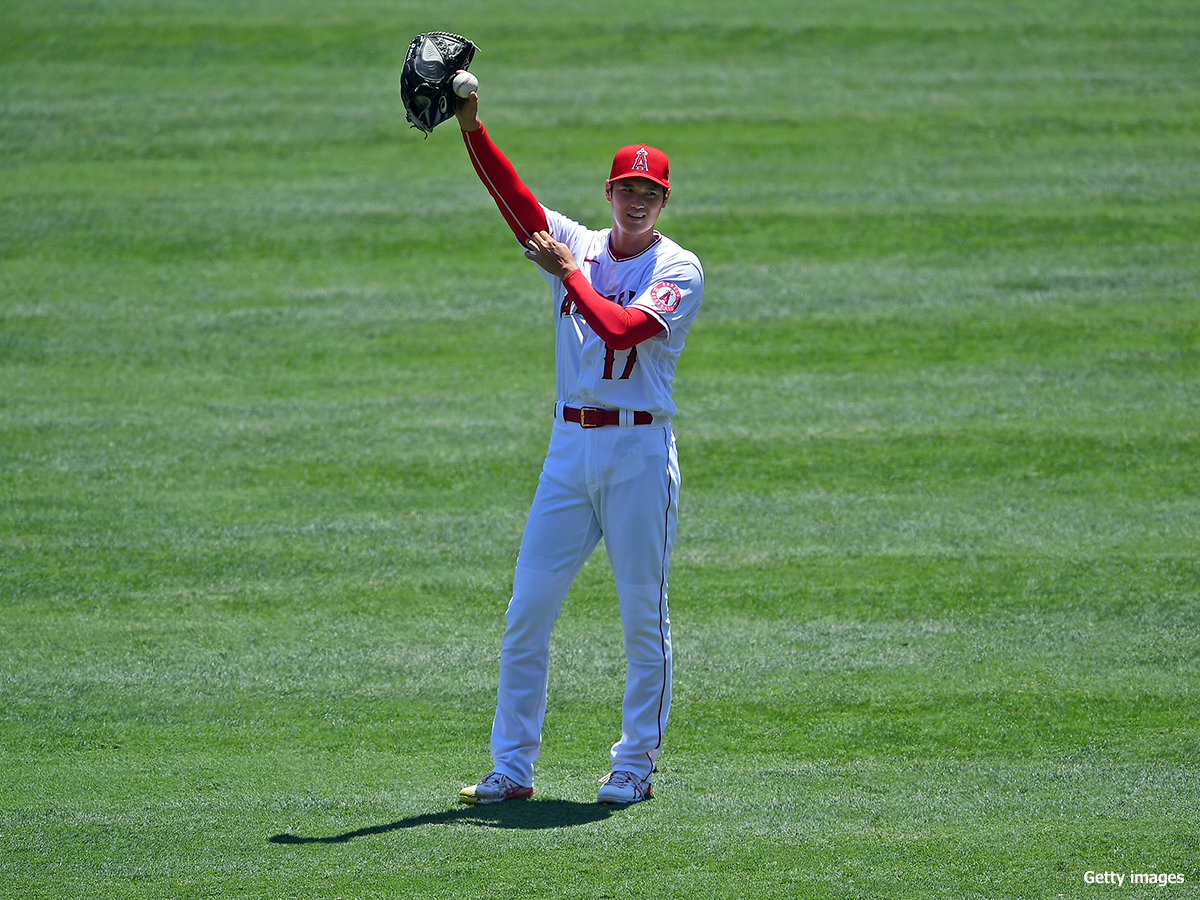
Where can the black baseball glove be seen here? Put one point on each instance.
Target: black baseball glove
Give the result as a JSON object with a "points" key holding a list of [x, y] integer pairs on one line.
{"points": [[426, 80]]}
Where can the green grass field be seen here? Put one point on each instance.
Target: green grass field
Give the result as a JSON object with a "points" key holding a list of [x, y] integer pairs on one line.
{"points": [[274, 393]]}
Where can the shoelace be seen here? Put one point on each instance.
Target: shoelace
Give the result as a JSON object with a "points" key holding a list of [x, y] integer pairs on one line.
{"points": [[619, 779]]}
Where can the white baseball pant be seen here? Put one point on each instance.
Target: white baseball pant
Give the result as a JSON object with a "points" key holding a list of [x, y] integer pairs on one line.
{"points": [[622, 484]]}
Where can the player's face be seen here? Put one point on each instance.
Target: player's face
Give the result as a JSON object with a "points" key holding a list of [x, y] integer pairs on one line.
{"points": [[636, 204]]}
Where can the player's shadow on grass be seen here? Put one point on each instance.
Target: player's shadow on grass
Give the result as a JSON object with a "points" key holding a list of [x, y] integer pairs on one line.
{"points": [[522, 814]]}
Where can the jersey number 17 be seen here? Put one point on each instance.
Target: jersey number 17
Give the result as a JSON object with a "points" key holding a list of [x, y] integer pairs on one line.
{"points": [[610, 359]]}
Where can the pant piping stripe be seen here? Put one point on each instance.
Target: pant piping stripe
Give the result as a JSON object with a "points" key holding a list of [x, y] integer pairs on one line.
{"points": [[662, 592]]}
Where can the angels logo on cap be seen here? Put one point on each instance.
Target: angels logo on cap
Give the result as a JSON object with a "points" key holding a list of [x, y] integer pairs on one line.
{"points": [[641, 161], [666, 296]]}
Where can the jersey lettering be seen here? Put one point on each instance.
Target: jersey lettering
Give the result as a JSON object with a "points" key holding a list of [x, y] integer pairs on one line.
{"points": [[568, 308]]}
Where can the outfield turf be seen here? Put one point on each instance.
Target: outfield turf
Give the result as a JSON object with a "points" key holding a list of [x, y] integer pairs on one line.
{"points": [[274, 393]]}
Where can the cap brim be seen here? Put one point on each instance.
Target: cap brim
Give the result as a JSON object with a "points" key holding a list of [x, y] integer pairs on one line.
{"points": [[657, 181]]}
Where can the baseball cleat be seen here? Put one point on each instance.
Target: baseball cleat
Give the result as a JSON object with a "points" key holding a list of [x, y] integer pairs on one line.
{"points": [[493, 788], [624, 787]]}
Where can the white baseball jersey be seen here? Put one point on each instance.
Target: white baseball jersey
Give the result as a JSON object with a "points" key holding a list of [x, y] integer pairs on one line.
{"points": [[665, 280]]}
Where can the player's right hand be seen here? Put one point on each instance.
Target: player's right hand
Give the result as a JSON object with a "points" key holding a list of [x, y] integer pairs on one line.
{"points": [[468, 112]]}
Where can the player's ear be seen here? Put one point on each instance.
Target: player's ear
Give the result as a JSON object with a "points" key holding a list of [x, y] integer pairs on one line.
{"points": [[608, 192]]}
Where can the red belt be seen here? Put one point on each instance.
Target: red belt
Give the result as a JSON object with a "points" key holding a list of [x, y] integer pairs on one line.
{"points": [[594, 417]]}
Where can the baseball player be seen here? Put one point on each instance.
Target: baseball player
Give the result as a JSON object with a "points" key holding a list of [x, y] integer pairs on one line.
{"points": [[623, 298]]}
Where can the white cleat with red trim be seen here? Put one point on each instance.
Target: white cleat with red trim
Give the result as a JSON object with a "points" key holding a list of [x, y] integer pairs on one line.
{"points": [[493, 788], [624, 787]]}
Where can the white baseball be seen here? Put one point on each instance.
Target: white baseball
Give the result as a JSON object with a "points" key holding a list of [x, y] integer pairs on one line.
{"points": [[464, 83]]}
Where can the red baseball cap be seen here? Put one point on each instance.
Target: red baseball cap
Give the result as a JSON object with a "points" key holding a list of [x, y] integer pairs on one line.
{"points": [[640, 161]]}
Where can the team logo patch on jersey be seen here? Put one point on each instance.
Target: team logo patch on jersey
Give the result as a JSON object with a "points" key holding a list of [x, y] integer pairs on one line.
{"points": [[666, 296]]}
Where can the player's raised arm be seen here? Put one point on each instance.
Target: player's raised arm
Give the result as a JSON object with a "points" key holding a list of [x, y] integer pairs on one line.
{"points": [[515, 201]]}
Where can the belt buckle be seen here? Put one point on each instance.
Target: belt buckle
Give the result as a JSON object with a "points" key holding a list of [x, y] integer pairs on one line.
{"points": [[583, 417]]}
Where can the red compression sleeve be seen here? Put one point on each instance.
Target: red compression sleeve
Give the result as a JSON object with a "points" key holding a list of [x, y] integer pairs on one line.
{"points": [[617, 326], [516, 202]]}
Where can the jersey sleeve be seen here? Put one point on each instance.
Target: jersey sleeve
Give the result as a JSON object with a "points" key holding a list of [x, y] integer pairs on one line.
{"points": [[515, 201], [672, 296]]}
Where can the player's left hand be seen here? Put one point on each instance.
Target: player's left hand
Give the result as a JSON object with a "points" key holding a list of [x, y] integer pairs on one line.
{"points": [[553, 256]]}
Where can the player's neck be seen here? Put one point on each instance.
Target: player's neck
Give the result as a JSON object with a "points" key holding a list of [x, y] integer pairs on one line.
{"points": [[622, 244]]}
